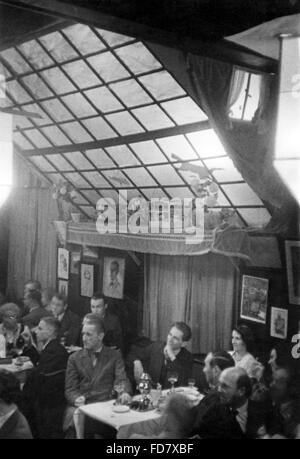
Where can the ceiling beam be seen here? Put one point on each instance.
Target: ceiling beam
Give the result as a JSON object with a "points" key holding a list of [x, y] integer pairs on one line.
{"points": [[122, 140], [115, 17]]}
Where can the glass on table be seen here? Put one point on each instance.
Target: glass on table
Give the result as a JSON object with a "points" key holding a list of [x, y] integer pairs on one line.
{"points": [[119, 388], [172, 378]]}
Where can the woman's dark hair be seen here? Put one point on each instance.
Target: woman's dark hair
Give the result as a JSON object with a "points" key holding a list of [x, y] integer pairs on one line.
{"points": [[9, 387], [246, 335]]}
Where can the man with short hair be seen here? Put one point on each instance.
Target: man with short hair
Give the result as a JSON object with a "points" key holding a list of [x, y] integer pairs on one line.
{"points": [[32, 302], [69, 321], [113, 331], [160, 359], [214, 364]]}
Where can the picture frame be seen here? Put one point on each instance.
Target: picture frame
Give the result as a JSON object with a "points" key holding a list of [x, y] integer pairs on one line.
{"points": [[63, 263], [86, 280], [279, 323], [292, 254], [254, 299], [63, 287], [113, 277], [75, 260]]}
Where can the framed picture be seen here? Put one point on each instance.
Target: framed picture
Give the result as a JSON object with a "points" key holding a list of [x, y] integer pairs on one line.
{"points": [[75, 262], [86, 280], [254, 299], [279, 323], [292, 253], [63, 287], [63, 264], [113, 277]]}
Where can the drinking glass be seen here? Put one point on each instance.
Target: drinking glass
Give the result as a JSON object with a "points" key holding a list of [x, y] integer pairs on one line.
{"points": [[119, 388], [191, 383], [172, 378]]}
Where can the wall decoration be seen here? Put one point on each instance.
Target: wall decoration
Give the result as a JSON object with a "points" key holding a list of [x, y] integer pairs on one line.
{"points": [[75, 262], [279, 323], [292, 252], [63, 286], [113, 277], [254, 299], [86, 280], [63, 263]]}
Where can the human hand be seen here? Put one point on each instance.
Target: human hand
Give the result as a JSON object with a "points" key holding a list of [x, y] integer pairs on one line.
{"points": [[27, 337], [138, 370], [169, 353], [124, 399], [79, 401]]}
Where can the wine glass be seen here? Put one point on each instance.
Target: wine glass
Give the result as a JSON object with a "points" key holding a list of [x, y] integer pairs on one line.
{"points": [[119, 388], [172, 378], [191, 383]]}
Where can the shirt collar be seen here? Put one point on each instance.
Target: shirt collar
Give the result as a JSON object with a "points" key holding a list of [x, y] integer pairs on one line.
{"points": [[243, 409]]}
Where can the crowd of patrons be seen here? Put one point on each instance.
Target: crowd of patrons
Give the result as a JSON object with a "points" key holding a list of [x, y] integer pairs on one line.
{"points": [[79, 361]]}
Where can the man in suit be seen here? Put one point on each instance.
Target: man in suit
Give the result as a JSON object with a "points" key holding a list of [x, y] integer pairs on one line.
{"points": [[32, 301], [69, 322], [94, 371], [160, 359], [43, 392], [229, 413], [214, 364], [113, 331]]}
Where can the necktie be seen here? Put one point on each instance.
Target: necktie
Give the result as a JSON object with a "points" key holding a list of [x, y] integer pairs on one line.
{"points": [[95, 356]]}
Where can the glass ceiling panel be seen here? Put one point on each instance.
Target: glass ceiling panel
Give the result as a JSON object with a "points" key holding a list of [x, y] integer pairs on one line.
{"points": [[124, 123], [79, 105], [37, 86], [166, 175], [36, 54], [122, 155], [112, 194], [177, 145], [108, 67], [138, 58], [103, 99], [15, 60], [21, 121], [59, 162], [37, 138], [241, 194], [57, 110], [56, 136], [58, 47], [222, 200], [180, 192], [84, 39], [58, 81], [153, 193], [80, 199], [117, 178], [42, 163], [130, 193], [131, 93], [148, 152], [81, 74], [255, 217], [99, 158], [99, 128], [162, 85], [207, 143], [35, 108], [78, 160], [140, 177], [96, 179], [90, 211], [114, 39], [224, 171], [21, 141], [77, 133], [92, 196], [152, 117], [56, 178], [184, 111], [17, 92], [77, 180]]}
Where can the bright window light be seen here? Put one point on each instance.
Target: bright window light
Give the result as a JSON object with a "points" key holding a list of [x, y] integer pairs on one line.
{"points": [[6, 156]]}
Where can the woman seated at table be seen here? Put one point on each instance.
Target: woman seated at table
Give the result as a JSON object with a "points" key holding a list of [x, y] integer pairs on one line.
{"points": [[242, 343], [18, 340]]}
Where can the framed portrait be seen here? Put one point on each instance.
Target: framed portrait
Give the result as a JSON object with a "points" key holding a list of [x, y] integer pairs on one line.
{"points": [[113, 277], [63, 259], [292, 253], [254, 299], [62, 287], [75, 262], [86, 280], [279, 323]]}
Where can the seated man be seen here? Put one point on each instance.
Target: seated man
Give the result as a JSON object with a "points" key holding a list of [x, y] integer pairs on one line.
{"points": [[32, 301], [69, 321], [160, 359], [113, 331], [43, 393], [214, 364], [93, 371]]}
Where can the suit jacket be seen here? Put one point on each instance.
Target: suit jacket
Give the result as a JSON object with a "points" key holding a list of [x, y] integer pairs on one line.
{"points": [[33, 318], [95, 383], [70, 327], [15, 428], [153, 360]]}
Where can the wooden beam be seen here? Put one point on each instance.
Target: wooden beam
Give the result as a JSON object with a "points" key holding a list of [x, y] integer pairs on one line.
{"points": [[121, 140], [111, 16]]}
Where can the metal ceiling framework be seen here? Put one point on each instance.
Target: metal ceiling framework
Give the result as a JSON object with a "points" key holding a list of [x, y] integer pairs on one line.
{"points": [[112, 119]]}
